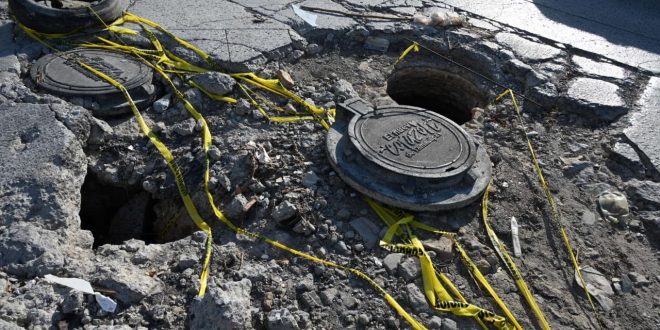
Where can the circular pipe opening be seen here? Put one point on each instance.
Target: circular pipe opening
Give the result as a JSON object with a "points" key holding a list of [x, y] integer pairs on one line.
{"points": [[446, 93]]}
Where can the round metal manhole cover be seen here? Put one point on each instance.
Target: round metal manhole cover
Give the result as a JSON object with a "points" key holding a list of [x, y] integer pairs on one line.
{"points": [[407, 157], [412, 141], [61, 74]]}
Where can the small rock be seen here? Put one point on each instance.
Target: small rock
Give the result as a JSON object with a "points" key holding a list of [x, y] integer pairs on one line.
{"points": [[243, 107], [185, 128], [328, 295], [435, 323], [72, 303], [416, 298], [635, 225], [367, 230], [99, 131], [285, 79], [187, 261], [358, 247], [284, 211], [348, 300], [237, 207], [588, 218], [409, 269], [214, 153], [310, 179], [449, 324], [638, 279], [224, 182], [626, 284], [215, 82], [363, 319], [281, 319], [310, 300], [304, 227], [162, 104], [391, 261], [442, 247], [342, 248], [305, 283], [344, 90], [483, 265]]}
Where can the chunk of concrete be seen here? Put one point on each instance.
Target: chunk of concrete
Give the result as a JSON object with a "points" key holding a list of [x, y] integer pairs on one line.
{"points": [[367, 230], [599, 68], [596, 98], [227, 307], [43, 167], [527, 50], [643, 131]]}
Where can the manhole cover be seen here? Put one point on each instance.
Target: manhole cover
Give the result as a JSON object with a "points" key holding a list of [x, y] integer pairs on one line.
{"points": [[407, 156], [62, 74]]}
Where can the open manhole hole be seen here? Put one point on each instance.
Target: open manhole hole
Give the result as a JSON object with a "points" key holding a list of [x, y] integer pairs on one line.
{"points": [[62, 74], [117, 214], [407, 156], [443, 92]]}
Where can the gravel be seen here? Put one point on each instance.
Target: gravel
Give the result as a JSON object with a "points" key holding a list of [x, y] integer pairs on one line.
{"points": [[53, 150]]}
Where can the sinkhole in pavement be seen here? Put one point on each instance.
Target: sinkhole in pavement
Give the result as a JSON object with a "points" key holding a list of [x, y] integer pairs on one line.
{"points": [[443, 92], [116, 214]]}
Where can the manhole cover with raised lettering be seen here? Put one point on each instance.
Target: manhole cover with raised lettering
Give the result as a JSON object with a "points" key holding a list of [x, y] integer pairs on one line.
{"points": [[61, 74], [407, 157]]}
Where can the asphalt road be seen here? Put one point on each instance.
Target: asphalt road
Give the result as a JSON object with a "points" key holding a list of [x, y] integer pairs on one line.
{"points": [[624, 31]]}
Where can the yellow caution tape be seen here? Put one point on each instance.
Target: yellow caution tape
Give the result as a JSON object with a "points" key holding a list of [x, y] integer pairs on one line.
{"points": [[178, 175], [121, 30], [472, 267], [247, 92], [400, 224], [211, 95], [501, 251], [413, 47], [206, 142], [556, 215]]}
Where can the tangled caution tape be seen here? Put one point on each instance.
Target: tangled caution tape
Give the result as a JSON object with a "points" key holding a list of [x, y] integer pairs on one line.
{"points": [[441, 294], [556, 216], [164, 62]]}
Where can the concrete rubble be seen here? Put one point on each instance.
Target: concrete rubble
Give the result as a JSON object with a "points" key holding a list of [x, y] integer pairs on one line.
{"points": [[91, 198]]}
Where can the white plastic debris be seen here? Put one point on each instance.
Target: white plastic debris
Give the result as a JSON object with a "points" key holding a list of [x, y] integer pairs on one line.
{"points": [[514, 236], [81, 285], [614, 206], [598, 286], [260, 152], [421, 19], [306, 16], [441, 18]]}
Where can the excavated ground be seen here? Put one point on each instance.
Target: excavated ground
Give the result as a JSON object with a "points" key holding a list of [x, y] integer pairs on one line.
{"points": [[138, 245]]}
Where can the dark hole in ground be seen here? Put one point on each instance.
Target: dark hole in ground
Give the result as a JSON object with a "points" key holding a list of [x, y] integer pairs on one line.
{"points": [[116, 214], [430, 88]]}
